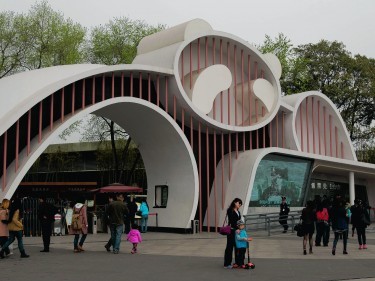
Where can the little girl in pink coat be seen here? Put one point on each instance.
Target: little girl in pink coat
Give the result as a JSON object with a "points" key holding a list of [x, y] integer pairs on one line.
{"points": [[134, 237]]}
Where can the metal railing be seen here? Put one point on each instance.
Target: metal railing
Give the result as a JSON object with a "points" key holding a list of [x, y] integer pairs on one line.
{"points": [[270, 221]]}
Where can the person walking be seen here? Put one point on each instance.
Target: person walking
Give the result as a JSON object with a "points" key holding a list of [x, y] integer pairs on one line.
{"points": [[134, 237], [80, 212], [339, 224], [116, 213], [360, 221], [109, 244], [15, 227], [46, 216], [4, 231], [308, 219], [233, 215], [283, 214], [241, 245], [144, 209], [322, 226]]}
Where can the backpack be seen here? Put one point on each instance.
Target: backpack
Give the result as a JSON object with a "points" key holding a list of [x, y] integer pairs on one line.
{"points": [[76, 219]]}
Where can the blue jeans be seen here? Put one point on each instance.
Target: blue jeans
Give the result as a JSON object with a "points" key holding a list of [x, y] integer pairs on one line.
{"points": [[76, 238], [116, 232], [12, 236], [144, 220]]}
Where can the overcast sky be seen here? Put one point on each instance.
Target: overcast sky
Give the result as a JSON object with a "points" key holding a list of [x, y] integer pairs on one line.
{"points": [[303, 21]]}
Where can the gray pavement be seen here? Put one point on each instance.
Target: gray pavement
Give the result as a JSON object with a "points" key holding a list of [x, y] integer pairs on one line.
{"points": [[168, 256]]}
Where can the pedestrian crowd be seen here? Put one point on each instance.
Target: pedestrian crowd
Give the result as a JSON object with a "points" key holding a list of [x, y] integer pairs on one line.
{"points": [[120, 218]]}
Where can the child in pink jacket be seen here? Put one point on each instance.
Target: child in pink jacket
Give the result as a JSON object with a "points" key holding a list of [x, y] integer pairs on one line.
{"points": [[134, 237]]}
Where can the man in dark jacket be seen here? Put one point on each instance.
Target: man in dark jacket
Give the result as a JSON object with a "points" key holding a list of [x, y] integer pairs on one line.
{"points": [[47, 217], [283, 215], [116, 213]]}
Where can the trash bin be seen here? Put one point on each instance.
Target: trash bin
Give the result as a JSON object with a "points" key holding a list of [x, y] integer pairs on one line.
{"points": [[94, 224], [57, 225], [195, 226]]}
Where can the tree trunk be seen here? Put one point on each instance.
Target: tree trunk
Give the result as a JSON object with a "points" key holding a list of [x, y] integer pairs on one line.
{"points": [[114, 152], [133, 168]]}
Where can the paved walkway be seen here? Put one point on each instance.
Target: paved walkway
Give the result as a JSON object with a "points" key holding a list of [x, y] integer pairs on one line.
{"points": [[166, 256]]}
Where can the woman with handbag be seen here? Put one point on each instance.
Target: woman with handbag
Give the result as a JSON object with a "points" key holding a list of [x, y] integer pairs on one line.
{"points": [[15, 227], [308, 218], [233, 215]]}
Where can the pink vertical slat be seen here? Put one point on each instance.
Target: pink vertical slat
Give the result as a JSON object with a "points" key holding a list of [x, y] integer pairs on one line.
{"points": [[342, 150], [235, 85], [93, 90], [166, 95], [113, 85], [191, 133], [131, 84], [313, 122], [140, 85], [62, 105], [248, 86], [228, 65], [230, 155], [200, 175], [206, 53], [208, 177], [51, 112], [183, 119], [157, 90], [103, 87], [73, 98], [330, 135], [84, 93], [221, 93], [40, 121], [17, 144], [149, 87], [5, 150], [319, 137], [215, 185], [213, 62], [199, 54], [307, 125], [336, 142], [182, 69], [236, 145], [301, 125], [242, 89], [264, 129], [122, 84], [325, 130], [222, 171], [270, 132], [191, 65], [277, 129], [28, 131], [283, 130]]}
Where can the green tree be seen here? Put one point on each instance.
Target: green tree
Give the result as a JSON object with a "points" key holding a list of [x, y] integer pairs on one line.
{"points": [[13, 43], [116, 42], [282, 47], [53, 39]]}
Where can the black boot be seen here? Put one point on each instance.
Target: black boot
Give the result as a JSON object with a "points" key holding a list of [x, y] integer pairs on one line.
{"points": [[24, 255], [2, 253]]}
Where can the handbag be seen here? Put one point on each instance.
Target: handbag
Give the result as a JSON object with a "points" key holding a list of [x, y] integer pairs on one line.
{"points": [[299, 229], [139, 213], [225, 229]]}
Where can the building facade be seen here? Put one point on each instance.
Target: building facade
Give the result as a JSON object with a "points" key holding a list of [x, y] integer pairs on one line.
{"points": [[207, 112]]}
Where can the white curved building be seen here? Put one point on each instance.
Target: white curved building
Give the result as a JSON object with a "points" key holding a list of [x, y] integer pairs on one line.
{"points": [[206, 109]]}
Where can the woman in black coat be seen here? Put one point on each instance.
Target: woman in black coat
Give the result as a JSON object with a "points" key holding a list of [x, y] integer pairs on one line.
{"points": [[308, 219], [233, 215]]}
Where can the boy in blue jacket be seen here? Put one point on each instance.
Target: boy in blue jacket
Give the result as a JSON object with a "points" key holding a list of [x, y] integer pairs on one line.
{"points": [[241, 244]]}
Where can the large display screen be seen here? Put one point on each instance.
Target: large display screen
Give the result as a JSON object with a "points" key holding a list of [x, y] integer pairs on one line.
{"points": [[277, 176]]}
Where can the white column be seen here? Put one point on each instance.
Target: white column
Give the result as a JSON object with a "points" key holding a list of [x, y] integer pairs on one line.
{"points": [[351, 188]]}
